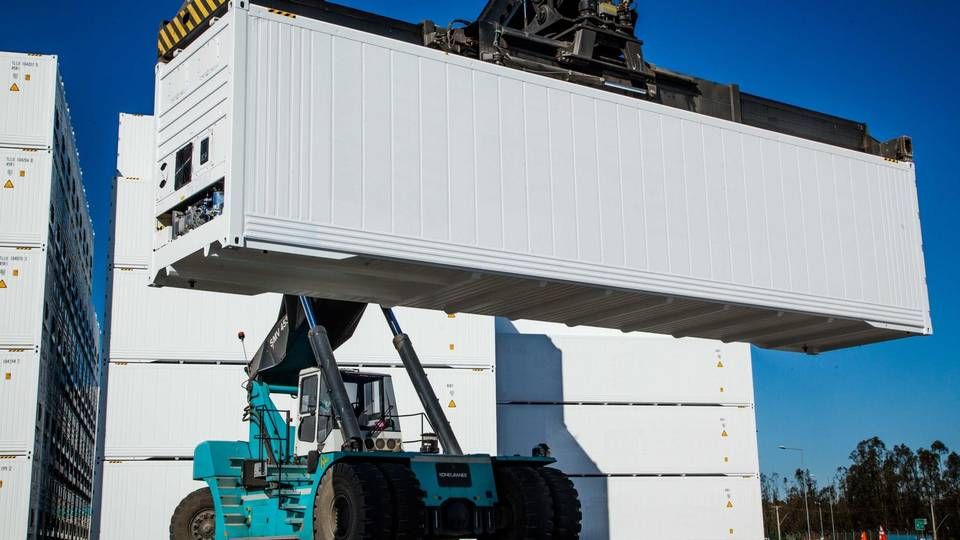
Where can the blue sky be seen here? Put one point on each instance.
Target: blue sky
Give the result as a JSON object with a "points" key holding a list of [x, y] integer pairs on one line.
{"points": [[894, 67]]}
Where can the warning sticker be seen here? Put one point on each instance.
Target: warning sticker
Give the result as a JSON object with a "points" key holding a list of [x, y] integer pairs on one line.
{"points": [[14, 87], [3, 284], [452, 405], [8, 184]]}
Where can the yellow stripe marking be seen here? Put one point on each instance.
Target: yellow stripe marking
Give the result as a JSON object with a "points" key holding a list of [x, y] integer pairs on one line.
{"points": [[202, 8], [166, 40], [193, 13], [183, 31], [213, 7]]}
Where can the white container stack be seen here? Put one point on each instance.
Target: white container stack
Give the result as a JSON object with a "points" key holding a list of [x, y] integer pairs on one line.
{"points": [[175, 367], [48, 329], [655, 431]]}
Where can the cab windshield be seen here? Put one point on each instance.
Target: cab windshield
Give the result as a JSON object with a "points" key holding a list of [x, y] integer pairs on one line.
{"points": [[373, 401]]}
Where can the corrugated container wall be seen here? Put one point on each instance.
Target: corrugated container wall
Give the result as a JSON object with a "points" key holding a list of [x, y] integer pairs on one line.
{"points": [[419, 178], [48, 331], [647, 426]]}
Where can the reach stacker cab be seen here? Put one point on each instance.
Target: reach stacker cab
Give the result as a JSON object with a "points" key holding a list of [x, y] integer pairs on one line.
{"points": [[337, 467]]}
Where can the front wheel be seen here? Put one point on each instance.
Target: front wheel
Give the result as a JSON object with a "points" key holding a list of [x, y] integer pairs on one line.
{"points": [[353, 503], [195, 518]]}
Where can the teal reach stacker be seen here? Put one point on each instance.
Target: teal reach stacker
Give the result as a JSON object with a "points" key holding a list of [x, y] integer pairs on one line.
{"points": [[337, 466]]}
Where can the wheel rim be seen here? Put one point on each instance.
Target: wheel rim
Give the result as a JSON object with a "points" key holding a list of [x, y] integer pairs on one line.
{"points": [[342, 516], [203, 525]]}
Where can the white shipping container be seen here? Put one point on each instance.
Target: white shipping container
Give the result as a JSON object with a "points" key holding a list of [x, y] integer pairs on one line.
{"points": [[135, 147], [143, 420], [167, 409], [361, 167], [634, 439], [30, 92], [25, 181], [624, 368], [152, 324], [22, 285], [460, 340], [133, 226], [132, 232], [15, 476], [671, 508], [19, 376], [139, 497]]}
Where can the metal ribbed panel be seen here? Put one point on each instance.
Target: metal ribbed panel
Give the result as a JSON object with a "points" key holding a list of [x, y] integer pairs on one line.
{"points": [[672, 508], [136, 151], [620, 369], [130, 511], [19, 380], [151, 324], [25, 180], [15, 475], [441, 174], [142, 420], [22, 284], [28, 90], [634, 439]]}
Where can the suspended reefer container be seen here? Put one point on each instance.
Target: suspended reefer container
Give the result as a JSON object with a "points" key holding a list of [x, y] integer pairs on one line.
{"points": [[574, 366], [672, 508], [634, 439], [19, 388], [299, 156], [15, 477], [142, 419], [129, 511]]}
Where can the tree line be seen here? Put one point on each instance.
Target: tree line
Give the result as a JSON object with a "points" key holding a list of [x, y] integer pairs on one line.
{"points": [[880, 487]]}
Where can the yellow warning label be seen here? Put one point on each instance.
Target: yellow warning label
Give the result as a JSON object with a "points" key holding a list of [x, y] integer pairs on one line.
{"points": [[724, 434], [7, 376], [14, 87], [22, 173], [729, 504], [451, 315], [452, 346], [26, 77], [3, 284], [16, 272], [722, 390], [8, 185], [452, 405], [720, 363]]}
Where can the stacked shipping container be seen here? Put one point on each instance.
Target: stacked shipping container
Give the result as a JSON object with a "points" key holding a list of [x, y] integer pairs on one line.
{"points": [[658, 433], [48, 337], [174, 367]]}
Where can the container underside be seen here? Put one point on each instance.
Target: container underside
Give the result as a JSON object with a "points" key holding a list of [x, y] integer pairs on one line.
{"points": [[393, 283]]}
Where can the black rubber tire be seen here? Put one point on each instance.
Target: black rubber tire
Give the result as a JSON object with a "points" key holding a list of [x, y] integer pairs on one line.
{"points": [[353, 503], [525, 509], [195, 517], [567, 513], [409, 511]]}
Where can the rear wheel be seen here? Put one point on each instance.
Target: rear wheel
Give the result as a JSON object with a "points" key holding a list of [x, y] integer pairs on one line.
{"points": [[195, 518], [353, 503], [409, 513], [525, 509], [567, 514]]}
